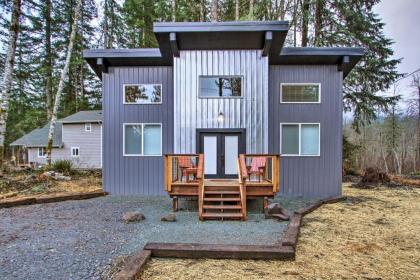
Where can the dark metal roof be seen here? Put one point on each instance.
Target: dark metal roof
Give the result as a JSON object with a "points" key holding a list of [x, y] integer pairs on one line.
{"points": [[220, 35], [124, 57], [320, 56], [83, 117]]}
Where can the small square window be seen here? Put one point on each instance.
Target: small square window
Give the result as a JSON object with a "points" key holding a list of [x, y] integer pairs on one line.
{"points": [[88, 127], [300, 139], [42, 152], [74, 151], [142, 139]]}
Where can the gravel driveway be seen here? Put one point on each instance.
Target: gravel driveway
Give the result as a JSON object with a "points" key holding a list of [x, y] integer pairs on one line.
{"points": [[79, 239]]}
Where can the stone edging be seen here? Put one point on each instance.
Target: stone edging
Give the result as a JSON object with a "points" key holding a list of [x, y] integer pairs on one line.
{"points": [[49, 199], [286, 250]]}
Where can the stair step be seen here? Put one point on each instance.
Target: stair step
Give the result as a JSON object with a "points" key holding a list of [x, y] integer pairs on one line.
{"points": [[222, 207], [222, 199], [222, 215], [221, 192]]}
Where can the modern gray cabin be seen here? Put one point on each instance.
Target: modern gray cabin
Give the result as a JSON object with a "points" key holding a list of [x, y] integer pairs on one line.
{"points": [[222, 90]]}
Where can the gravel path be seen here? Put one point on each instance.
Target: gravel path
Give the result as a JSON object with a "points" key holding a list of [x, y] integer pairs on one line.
{"points": [[79, 239]]}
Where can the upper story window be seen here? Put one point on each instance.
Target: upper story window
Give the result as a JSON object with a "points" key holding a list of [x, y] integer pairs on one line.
{"points": [[142, 139], [143, 94], [300, 93], [220, 86], [42, 152], [88, 127], [300, 139]]}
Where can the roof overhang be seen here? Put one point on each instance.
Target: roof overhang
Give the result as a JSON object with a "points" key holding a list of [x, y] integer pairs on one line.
{"points": [[345, 58], [101, 59], [237, 35]]}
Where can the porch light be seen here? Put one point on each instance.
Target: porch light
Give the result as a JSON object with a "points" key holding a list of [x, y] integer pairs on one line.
{"points": [[220, 118]]}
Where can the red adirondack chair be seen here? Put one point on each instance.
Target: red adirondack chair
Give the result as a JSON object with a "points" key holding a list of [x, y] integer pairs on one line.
{"points": [[257, 167], [187, 167]]}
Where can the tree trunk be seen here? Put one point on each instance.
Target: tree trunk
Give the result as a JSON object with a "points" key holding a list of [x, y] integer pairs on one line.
{"points": [[282, 10], [214, 10], [418, 125], [8, 74], [305, 22], [251, 9], [295, 9], [173, 2], [63, 77], [318, 21], [106, 25], [202, 10], [236, 10], [48, 58]]}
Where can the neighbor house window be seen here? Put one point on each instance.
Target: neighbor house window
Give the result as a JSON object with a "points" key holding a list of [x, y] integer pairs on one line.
{"points": [[74, 151], [42, 152], [142, 139], [300, 93], [143, 94], [88, 127], [300, 139], [220, 86]]}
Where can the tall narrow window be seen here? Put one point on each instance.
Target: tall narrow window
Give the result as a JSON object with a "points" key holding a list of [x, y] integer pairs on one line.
{"points": [[42, 152], [142, 139], [300, 139], [300, 93], [143, 94], [220, 86], [74, 151]]}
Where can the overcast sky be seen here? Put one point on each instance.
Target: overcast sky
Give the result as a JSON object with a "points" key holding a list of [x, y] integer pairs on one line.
{"points": [[402, 19]]}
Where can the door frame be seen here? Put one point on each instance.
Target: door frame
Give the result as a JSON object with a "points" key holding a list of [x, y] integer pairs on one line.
{"points": [[223, 131]]}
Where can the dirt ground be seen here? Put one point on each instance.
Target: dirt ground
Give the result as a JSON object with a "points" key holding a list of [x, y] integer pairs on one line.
{"points": [[372, 235], [32, 184]]}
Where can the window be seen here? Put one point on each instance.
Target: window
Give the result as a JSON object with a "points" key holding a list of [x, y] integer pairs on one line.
{"points": [[143, 94], [88, 127], [300, 93], [74, 151], [42, 152], [220, 86], [142, 139], [300, 139]]}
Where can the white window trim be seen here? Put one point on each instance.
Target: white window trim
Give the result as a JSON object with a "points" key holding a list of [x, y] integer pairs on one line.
{"points": [[220, 76], [300, 84], [78, 151], [45, 152], [88, 125], [139, 84], [142, 140], [300, 140]]}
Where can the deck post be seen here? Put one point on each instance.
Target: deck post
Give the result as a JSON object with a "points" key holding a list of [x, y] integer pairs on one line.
{"points": [[265, 203], [175, 203]]}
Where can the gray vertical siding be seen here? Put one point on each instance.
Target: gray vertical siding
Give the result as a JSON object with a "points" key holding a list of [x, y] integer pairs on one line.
{"points": [[134, 175], [309, 176], [249, 112]]}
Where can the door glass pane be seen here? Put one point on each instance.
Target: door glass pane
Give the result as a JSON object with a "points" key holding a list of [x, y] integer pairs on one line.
{"points": [[133, 139], [231, 155], [152, 141], [210, 154], [310, 139], [290, 139]]}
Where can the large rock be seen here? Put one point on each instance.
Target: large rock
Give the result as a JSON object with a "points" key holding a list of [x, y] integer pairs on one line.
{"points": [[169, 218], [55, 175], [133, 216], [276, 211]]}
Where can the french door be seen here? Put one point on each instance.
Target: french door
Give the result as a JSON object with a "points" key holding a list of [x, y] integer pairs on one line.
{"points": [[221, 148]]}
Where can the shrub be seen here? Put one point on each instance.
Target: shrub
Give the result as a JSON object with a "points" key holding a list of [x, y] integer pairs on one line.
{"points": [[63, 166]]}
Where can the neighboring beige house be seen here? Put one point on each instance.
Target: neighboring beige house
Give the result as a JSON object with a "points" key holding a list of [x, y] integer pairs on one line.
{"points": [[77, 137]]}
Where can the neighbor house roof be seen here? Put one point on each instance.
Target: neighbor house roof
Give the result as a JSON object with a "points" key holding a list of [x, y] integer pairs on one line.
{"points": [[268, 36], [39, 137]]}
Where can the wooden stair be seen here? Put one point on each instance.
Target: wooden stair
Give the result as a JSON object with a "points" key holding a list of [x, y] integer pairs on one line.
{"points": [[222, 201]]}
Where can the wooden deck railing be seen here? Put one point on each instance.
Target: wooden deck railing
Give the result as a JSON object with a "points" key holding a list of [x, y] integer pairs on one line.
{"points": [[270, 170], [242, 176], [174, 171]]}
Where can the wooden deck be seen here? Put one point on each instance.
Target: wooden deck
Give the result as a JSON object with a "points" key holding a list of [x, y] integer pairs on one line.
{"points": [[221, 198]]}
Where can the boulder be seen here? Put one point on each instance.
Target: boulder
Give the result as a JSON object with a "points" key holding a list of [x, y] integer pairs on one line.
{"points": [[276, 211], [133, 216], [55, 175], [169, 218]]}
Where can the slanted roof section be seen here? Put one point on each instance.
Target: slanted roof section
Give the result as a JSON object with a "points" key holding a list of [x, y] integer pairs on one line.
{"points": [[39, 137], [220, 35], [101, 59], [346, 58], [83, 117]]}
